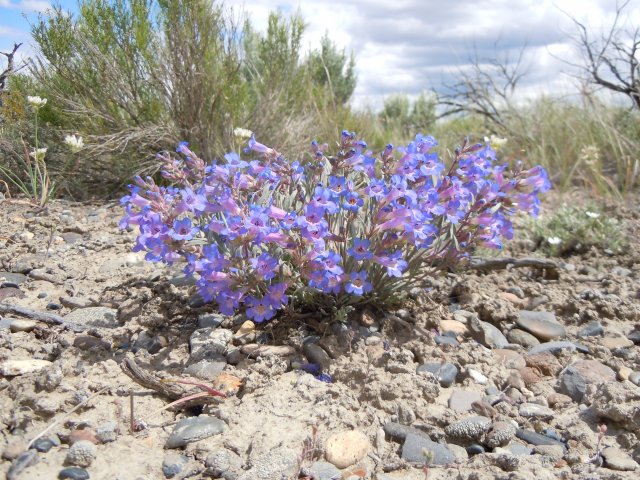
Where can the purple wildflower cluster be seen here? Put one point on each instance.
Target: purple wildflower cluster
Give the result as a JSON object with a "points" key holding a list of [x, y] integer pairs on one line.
{"points": [[253, 231]]}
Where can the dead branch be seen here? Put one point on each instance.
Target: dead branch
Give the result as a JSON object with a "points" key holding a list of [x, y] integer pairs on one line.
{"points": [[4, 76], [48, 318], [173, 391], [611, 62], [486, 264]]}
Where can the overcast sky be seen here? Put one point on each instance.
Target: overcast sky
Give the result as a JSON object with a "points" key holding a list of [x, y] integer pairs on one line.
{"points": [[414, 45]]}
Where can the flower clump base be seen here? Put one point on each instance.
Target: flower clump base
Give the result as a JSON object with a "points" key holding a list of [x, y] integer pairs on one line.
{"points": [[256, 230]]}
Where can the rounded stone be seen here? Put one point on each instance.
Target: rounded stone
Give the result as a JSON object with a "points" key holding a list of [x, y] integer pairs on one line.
{"points": [[346, 448], [42, 445], [575, 378], [192, 429], [543, 325], [445, 373], [81, 454], [523, 338], [500, 434], [616, 459], [634, 378], [471, 428], [173, 464], [73, 473]]}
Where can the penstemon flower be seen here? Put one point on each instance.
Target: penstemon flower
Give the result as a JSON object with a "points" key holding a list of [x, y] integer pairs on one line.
{"points": [[352, 226]]}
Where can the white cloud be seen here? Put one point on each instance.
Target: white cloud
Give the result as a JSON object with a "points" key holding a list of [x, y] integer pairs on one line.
{"points": [[26, 5]]}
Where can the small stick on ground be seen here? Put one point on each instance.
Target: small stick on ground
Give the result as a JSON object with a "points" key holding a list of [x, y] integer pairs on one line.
{"points": [[132, 418], [503, 263], [48, 318]]}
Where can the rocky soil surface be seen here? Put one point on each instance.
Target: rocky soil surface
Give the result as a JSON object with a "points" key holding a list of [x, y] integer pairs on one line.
{"points": [[516, 373]]}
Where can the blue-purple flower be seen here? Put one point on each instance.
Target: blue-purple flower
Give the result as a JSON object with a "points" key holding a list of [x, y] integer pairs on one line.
{"points": [[357, 283]]}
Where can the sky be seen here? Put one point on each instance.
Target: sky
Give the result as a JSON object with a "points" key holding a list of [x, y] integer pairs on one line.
{"points": [[410, 46]]}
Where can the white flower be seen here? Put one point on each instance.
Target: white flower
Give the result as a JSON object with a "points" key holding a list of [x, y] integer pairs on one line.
{"points": [[592, 214], [554, 240], [75, 143], [495, 142], [37, 101], [242, 132], [39, 153]]}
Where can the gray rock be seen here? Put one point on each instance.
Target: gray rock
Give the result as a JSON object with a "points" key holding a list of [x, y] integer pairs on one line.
{"points": [[553, 347], [400, 432], [420, 449], [107, 432], [73, 473], [542, 325], [487, 334], [591, 329], [470, 428], [76, 302], [461, 400], [223, 463], [574, 379], [445, 373], [446, 340], [520, 337], [81, 453], [475, 449], [101, 317], [207, 369], [634, 378], [43, 445], [274, 465], [149, 342], [25, 460], [316, 354], [535, 438], [616, 459], [17, 278], [322, 471], [173, 464], [533, 410], [519, 449], [634, 336], [192, 429], [207, 320], [209, 343]]}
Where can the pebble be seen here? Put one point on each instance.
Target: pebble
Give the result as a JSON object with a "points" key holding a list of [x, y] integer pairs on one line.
{"points": [[107, 432], [255, 350], [475, 449], [192, 429], [322, 471], [487, 334], [520, 337], [477, 376], [461, 400], [545, 362], [12, 368], [500, 434], [207, 369], [76, 302], [43, 445], [15, 278], [25, 460], [400, 432], [616, 459], [543, 325], [591, 329], [84, 434], [624, 372], [471, 428], [81, 454], [446, 340], [615, 342], [533, 410], [453, 326], [634, 378], [535, 438], [173, 464], [54, 306], [316, 354], [207, 320], [73, 473], [574, 379], [634, 336], [14, 449], [445, 373], [21, 325], [518, 449], [88, 343], [274, 465], [346, 448], [484, 409], [149, 342], [556, 452], [558, 399], [208, 343], [553, 347], [421, 449], [509, 358], [101, 317], [223, 463]]}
